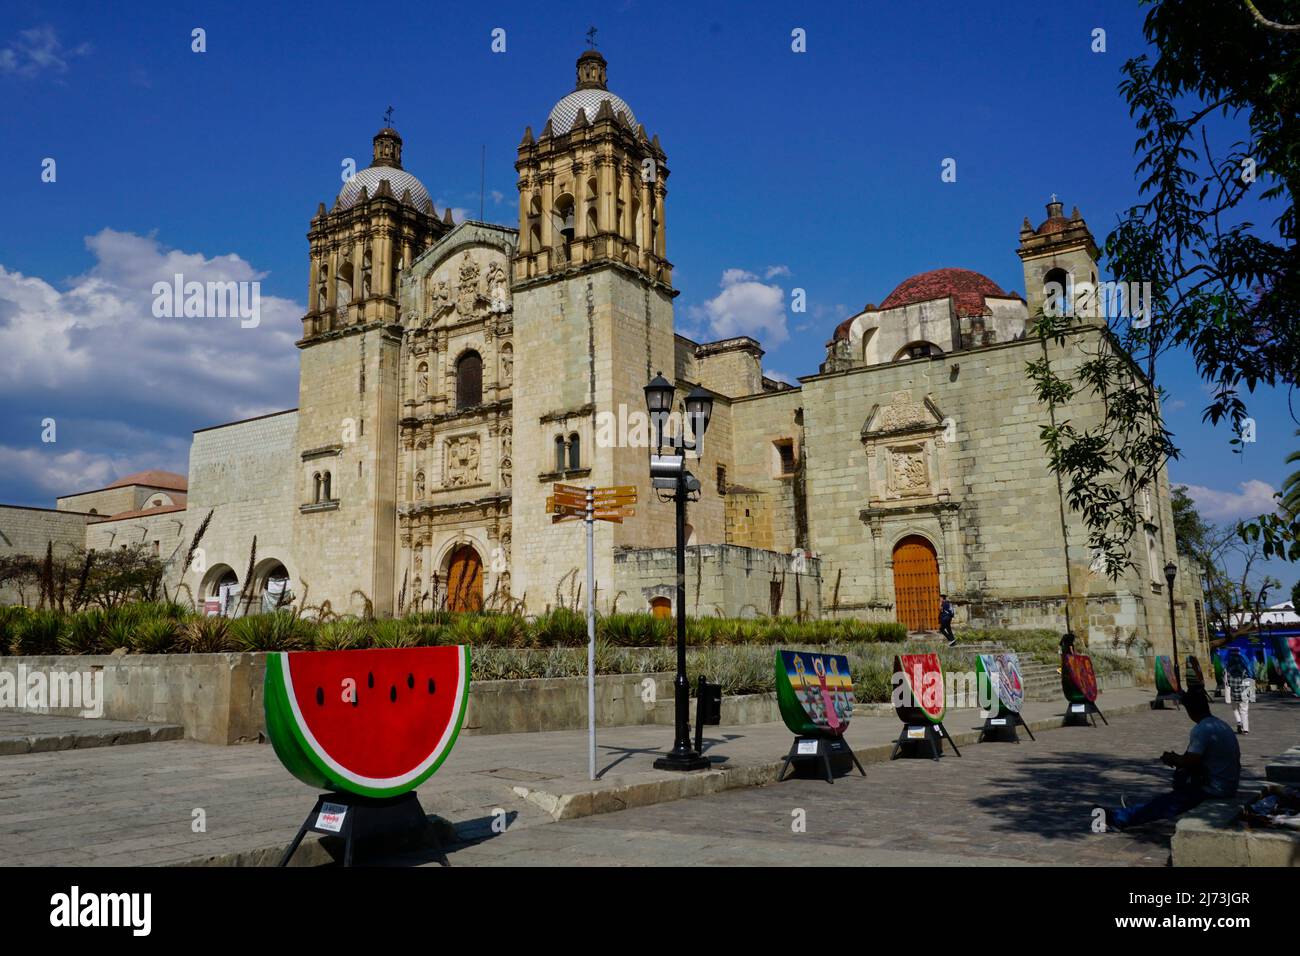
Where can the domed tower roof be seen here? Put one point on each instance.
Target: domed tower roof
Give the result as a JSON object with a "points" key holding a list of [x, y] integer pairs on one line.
{"points": [[589, 94], [968, 289], [386, 164]]}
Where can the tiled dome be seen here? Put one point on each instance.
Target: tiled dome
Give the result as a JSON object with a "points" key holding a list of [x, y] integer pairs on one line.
{"points": [[565, 112], [968, 288], [399, 180]]}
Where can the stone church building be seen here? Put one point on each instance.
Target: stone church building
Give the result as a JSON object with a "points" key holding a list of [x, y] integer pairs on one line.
{"points": [[451, 373]]}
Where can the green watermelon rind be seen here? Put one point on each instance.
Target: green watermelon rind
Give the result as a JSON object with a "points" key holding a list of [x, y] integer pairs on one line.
{"points": [[302, 760]]}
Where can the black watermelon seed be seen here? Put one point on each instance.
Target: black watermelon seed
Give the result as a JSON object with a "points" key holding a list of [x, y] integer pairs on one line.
{"points": [[370, 679], [432, 685], [392, 693], [320, 696], [410, 681]]}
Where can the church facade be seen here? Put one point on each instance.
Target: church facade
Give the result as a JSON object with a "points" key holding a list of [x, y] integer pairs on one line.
{"points": [[452, 373]]}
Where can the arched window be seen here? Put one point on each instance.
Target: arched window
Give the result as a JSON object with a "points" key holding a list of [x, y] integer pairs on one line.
{"points": [[575, 452], [322, 288], [1056, 291], [325, 487], [917, 350], [344, 295], [317, 486], [564, 221], [469, 380], [365, 275], [559, 453], [535, 224]]}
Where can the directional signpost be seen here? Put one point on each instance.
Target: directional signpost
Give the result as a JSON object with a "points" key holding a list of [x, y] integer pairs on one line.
{"points": [[591, 505]]}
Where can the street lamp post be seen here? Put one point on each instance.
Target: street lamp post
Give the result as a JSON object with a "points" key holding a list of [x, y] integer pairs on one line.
{"points": [[668, 474], [1171, 570]]}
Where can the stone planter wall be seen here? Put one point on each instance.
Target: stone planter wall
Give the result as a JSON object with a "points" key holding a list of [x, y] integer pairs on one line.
{"points": [[217, 698]]}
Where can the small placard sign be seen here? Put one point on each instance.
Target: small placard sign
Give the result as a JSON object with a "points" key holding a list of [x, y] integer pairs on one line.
{"points": [[807, 747], [1078, 708], [998, 722], [915, 733], [331, 817]]}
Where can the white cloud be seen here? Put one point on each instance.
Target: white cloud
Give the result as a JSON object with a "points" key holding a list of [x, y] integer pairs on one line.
{"points": [[745, 306], [1255, 497], [38, 50], [60, 472], [771, 272], [98, 338], [780, 376]]}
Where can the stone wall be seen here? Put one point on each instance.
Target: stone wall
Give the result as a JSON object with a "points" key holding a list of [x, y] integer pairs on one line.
{"points": [[244, 473], [29, 531], [720, 579]]}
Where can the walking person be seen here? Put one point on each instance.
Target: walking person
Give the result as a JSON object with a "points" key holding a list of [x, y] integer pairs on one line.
{"points": [[1240, 688], [945, 620], [1210, 768]]}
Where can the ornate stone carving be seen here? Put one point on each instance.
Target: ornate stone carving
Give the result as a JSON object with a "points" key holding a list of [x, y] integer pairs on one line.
{"points": [[505, 473], [910, 474], [468, 292], [498, 288], [462, 462], [507, 364]]}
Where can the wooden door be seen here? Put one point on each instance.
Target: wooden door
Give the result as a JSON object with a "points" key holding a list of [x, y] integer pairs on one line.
{"points": [[465, 580], [916, 584], [661, 607]]}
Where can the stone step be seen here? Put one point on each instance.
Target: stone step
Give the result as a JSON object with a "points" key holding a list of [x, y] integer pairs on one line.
{"points": [[28, 733]]}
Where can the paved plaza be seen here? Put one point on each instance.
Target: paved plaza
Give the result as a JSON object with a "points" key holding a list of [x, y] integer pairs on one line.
{"points": [[1026, 803]]}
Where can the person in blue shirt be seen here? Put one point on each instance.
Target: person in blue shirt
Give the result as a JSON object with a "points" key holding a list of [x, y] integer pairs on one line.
{"points": [[945, 620], [1210, 768]]}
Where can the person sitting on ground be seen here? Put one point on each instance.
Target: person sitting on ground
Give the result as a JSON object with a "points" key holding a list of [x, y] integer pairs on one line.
{"points": [[1210, 768]]}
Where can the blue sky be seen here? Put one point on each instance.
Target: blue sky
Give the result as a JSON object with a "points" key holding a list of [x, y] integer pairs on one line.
{"points": [[818, 170]]}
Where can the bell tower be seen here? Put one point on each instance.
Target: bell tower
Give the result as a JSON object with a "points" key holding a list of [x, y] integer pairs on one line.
{"points": [[593, 296], [1060, 251], [350, 367]]}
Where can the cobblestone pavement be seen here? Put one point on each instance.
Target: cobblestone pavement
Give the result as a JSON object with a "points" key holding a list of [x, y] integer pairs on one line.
{"points": [[1009, 804]]}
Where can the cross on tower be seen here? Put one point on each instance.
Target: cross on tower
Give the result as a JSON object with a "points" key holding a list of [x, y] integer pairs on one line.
{"points": [[388, 116], [591, 38]]}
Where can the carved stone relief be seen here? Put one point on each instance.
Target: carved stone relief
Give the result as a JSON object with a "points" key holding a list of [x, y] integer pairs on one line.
{"points": [[462, 462]]}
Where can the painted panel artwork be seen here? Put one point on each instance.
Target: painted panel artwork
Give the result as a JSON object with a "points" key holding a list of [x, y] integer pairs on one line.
{"points": [[1166, 676], [814, 692], [1003, 670], [1286, 649], [919, 694], [1077, 678]]}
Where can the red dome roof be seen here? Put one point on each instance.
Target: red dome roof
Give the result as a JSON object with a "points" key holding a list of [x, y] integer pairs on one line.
{"points": [[968, 289]]}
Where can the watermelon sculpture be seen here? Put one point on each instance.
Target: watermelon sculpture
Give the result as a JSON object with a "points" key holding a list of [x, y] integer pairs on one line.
{"points": [[376, 723], [1166, 676], [814, 692], [1077, 678], [919, 694], [999, 680]]}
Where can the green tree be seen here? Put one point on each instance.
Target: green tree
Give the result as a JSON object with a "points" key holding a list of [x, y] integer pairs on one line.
{"points": [[1223, 289]]}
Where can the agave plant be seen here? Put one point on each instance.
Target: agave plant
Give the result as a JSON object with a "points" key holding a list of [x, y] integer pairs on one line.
{"points": [[155, 635], [83, 632], [207, 635], [391, 633], [37, 632], [274, 631], [344, 634]]}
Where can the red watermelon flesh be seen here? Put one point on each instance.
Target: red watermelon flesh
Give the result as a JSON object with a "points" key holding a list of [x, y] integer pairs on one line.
{"points": [[375, 722], [923, 675]]}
